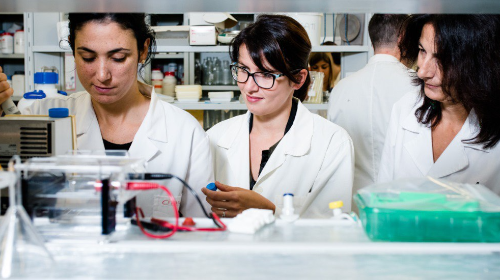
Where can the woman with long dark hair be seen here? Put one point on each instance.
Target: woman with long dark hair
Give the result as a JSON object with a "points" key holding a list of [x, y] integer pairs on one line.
{"points": [[449, 129], [279, 146]]}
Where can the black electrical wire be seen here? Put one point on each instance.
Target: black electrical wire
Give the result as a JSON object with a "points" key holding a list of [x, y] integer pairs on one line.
{"points": [[163, 176]]}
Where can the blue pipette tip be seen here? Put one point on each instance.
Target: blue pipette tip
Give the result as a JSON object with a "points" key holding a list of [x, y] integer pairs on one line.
{"points": [[212, 187]]}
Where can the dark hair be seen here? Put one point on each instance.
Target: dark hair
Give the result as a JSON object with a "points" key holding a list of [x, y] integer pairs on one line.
{"points": [[467, 51], [134, 22], [280, 40], [326, 57], [335, 55], [384, 29]]}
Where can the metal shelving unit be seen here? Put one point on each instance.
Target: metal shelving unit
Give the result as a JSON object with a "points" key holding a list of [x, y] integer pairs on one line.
{"points": [[43, 50], [12, 56], [235, 105], [256, 6], [220, 87]]}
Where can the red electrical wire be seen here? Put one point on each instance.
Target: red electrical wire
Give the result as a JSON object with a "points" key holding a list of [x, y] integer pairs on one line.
{"points": [[166, 224], [145, 186], [175, 227]]}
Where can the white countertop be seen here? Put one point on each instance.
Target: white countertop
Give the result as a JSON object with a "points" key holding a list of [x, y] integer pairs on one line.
{"points": [[308, 249]]}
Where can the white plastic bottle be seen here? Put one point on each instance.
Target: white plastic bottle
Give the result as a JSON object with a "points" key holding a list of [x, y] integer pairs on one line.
{"points": [[7, 42], [18, 83], [19, 41], [45, 87], [157, 80], [169, 83]]}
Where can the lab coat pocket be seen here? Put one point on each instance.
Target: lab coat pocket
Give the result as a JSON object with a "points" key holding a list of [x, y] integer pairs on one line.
{"points": [[298, 203], [162, 206]]}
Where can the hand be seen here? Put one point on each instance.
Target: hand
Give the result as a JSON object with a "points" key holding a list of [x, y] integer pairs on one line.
{"points": [[5, 90], [230, 201]]}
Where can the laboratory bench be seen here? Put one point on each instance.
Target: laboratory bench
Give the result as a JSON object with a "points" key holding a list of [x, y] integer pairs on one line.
{"points": [[306, 249]]}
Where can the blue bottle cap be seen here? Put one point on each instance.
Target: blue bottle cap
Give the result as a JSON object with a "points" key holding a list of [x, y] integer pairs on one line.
{"points": [[37, 94], [58, 112], [290, 194], [46, 78], [212, 187]]}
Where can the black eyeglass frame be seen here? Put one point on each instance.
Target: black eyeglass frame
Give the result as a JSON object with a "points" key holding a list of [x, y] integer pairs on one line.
{"points": [[275, 76]]}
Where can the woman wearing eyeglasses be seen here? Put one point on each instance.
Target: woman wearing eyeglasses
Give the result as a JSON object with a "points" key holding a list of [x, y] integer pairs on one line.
{"points": [[279, 146]]}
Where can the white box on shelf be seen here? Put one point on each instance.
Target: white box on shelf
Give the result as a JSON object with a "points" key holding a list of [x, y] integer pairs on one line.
{"points": [[220, 20], [202, 35], [172, 35]]}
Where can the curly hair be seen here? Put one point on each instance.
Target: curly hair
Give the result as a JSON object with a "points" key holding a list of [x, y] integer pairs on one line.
{"points": [[468, 52], [135, 22]]}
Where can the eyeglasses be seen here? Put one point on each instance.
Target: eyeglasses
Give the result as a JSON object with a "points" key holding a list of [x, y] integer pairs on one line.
{"points": [[264, 80]]}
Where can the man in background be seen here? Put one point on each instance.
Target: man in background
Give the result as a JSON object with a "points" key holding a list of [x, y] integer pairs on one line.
{"points": [[362, 102]]}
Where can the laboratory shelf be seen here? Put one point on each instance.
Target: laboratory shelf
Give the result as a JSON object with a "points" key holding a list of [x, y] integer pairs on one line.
{"points": [[221, 87], [168, 55], [165, 51], [54, 49], [344, 49], [12, 56], [222, 49], [235, 105], [225, 48]]}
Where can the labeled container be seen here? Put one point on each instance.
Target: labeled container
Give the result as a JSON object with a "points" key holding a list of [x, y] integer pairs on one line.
{"points": [[169, 83], [429, 210], [19, 41], [172, 67], [45, 87], [7, 42], [157, 80], [18, 83]]}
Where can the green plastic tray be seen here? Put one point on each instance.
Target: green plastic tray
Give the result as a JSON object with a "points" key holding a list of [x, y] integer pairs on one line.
{"points": [[423, 217]]}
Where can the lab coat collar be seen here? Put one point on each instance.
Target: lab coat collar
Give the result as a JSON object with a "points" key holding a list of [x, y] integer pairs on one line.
{"points": [[410, 122], [383, 58], [236, 141], [83, 124], [157, 127], [297, 142], [154, 126], [471, 129], [453, 159]]}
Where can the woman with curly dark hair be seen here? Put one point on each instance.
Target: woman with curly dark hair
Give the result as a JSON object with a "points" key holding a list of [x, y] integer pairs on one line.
{"points": [[449, 129]]}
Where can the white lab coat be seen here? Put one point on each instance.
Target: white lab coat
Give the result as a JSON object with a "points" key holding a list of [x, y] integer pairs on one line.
{"points": [[314, 161], [361, 104], [169, 139], [408, 151]]}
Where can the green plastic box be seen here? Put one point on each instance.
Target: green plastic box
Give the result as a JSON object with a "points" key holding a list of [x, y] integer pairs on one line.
{"points": [[426, 217]]}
